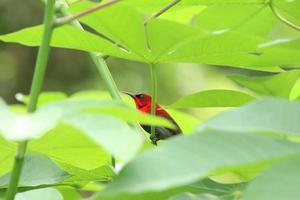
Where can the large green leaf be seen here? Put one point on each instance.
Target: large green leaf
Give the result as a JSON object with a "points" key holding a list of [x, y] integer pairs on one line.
{"points": [[111, 108], [113, 135], [38, 194], [279, 85], [226, 49], [189, 45], [167, 40], [120, 23], [279, 182], [67, 37], [206, 186], [267, 115], [37, 170], [71, 146], [281, 52], [184, 160], [19, 127], [252, 19], [213, 98]]}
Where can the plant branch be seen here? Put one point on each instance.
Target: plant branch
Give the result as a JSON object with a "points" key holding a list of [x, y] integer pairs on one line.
{"points": [[69, 18], [281, 18], [162, 10], [153, 70], [38, 78]]}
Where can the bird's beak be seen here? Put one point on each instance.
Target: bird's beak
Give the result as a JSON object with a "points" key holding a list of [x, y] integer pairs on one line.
{"points": [[130, 94]]}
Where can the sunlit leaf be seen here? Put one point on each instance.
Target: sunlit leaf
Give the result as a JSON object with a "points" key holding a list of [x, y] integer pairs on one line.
{"points": [[113, 135], [184, 160], [213, 98], [288, 9], [266, 115], [37, 170], [67, 37], [108, 23], [252, 19], [44, 193], [279, 85], [69, 145], [277, 183]]}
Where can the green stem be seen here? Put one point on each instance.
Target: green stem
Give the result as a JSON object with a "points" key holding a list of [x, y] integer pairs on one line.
{"points": [[68, 18], [163, 10], [106, 77], [16, 171], [101, 67], [98, 61], [153, 70], [38, 78]]}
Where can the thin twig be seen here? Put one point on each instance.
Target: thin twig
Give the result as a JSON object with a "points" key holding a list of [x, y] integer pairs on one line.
{"points": [[283, 19], [67, 19], [162, 10]]}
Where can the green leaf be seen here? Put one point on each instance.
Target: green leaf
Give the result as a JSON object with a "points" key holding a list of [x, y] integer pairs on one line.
{"points": [[157, 4], [184, 160], [20, 127], [184, 15], [69, 193], [206, 186], [80, 177], [295, 92], [251, 19], [213, 98], [44, 98], [67, 37], [112, 21], [186, 122], [37, 170], [168, 41], [289, 9], [226, 49], [282, 52], [279, 182], [44, 193], [232, 48], [190, 196], [113, 135], [110, 108], [8, 151], [267, 115], [279, 85], [71, 146]]}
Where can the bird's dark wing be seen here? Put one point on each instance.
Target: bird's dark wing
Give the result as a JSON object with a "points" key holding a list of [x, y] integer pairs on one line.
{"points": [[161, 132]]}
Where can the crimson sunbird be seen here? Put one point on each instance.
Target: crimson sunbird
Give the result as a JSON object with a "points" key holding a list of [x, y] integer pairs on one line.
{"points": [[143, 104]]}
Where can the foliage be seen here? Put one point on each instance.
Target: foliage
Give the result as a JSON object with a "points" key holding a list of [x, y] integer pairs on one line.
{"points": [[247, 152]]}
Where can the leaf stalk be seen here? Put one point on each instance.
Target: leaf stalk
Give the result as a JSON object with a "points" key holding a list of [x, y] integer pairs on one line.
{"points": [[36, 86]]}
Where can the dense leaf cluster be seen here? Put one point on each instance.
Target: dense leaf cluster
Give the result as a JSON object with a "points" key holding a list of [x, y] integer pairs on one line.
{"points": [[248, 152]]}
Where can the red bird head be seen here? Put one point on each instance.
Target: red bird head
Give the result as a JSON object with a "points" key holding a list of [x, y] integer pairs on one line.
{"points": [[143, 104], [141, 100]]}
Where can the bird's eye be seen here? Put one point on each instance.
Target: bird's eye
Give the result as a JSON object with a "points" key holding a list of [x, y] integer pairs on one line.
{"points": [[140, 96]]}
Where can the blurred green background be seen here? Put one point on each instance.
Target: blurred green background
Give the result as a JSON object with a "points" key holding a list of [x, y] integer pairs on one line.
{"points": [[71, 71]]}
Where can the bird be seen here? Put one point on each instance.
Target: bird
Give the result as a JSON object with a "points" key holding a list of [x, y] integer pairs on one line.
{"points": [[143, 104]]}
